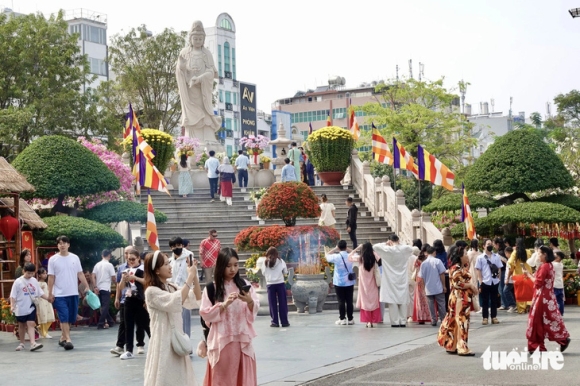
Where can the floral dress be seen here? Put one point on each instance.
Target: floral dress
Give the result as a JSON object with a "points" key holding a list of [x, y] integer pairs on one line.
{"points": [[420, 305], [454, 330], [545, 321]]}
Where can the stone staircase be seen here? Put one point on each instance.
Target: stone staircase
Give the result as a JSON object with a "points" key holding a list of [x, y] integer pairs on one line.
{"points": [[194, 216]]}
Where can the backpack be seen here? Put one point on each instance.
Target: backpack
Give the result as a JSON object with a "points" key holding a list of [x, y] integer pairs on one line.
{"points": [[211, 295]]}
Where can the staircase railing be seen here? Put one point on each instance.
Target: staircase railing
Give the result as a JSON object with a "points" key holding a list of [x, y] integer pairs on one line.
{"points": [[383, 201]]}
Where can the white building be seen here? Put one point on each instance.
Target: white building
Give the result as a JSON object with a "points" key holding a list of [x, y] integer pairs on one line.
{"points": [[91, 28]]}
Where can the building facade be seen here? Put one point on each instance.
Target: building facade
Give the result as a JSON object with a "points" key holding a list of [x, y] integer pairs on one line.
{"points": [[91, 29]]}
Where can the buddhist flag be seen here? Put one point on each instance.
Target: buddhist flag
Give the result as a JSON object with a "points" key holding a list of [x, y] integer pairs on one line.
{"points": [[310, 128], [466, 216], [328, 121], [431, 169], [152, 237], [354, 127], [402, 159], [381, 152]]}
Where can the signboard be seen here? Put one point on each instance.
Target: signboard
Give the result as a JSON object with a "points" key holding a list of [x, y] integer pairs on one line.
{"points": [[248, 109]]}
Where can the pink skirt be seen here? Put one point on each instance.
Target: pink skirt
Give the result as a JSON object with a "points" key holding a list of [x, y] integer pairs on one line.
{"points": [[232, 369], [373, 316]]}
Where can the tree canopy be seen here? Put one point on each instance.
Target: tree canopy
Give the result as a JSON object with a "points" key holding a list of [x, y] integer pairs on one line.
{"points": [[144, 66], [41, 76], [568, 200], [59, 167], [117, 211], [517, 163], [422, 113]]}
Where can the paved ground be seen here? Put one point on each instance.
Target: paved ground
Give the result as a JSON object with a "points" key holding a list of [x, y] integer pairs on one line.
{"points": [[312, 351]]}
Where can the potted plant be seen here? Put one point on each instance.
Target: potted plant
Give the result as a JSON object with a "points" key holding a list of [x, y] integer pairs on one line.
{"points": [[161, 142], [255, 145], [265, 160], [8, 317], [256, 195], [571, 287], [287, 201], [201, 163], [329, 149], [188, 146]]}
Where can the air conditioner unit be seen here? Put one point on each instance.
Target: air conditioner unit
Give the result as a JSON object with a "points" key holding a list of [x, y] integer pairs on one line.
{"points": [[229, 106], [228, 74]]}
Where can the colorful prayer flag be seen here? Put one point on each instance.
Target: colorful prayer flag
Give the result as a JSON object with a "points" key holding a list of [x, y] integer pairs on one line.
{"points": [[151, 236], [431, 169], [402, 159], [466, 215], [381, 152], [354, 127], [328, 121]]}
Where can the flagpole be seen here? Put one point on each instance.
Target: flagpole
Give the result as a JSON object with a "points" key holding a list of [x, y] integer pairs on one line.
{"points": [[420, 213], [396, 203]]}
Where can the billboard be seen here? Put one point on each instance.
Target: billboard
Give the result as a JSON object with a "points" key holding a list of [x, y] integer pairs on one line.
{"points": [[248, 109]]}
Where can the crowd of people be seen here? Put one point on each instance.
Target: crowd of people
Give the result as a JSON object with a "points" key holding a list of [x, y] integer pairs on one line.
{"points": [[155, 293]]}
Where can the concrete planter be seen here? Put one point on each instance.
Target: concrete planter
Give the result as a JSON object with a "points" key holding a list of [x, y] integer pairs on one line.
{"points": [[309, 290]]}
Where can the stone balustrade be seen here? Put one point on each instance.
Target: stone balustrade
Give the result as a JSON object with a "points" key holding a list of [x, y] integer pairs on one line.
{"points": [[383, 201]]}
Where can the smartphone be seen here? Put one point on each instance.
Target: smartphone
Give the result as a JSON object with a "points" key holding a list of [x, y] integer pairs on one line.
{"points": [[246, 288], [190, 260]]}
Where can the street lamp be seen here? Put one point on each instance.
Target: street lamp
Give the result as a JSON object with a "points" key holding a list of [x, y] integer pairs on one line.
{"points": [[575, 12]]}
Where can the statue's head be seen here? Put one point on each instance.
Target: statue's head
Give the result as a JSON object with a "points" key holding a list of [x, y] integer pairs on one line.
{"points": [[196, 36]]}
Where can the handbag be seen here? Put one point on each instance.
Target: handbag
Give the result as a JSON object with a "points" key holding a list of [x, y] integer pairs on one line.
{"points": [[523, 288], [180, 342], [351, 275], [93, 300], [377, 275]]}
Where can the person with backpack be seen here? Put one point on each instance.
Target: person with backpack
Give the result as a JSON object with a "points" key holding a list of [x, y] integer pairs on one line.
{"points": [[230, 315]]}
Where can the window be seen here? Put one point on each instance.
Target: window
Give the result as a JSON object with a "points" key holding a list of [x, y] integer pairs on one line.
{"points": [[229, 150], [236, 125], [220, 60], [227, 57], [98, 66], [228, 97], [234, 62], [221, 96], [75, 29], [235, 94], [226, 24], [229, 124], [94, 34]]}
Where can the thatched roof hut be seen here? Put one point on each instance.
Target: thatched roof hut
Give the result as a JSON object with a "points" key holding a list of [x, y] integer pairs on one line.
{"points": [[27, 214], [12, 181]]}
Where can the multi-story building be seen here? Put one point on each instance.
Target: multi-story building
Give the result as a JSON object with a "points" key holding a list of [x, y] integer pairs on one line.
{"points": [[91, 28], [316, 105]]}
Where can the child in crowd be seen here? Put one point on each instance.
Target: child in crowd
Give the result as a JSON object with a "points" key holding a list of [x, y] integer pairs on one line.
{"points": [[559, 279], [24, 290], [45, 312]]}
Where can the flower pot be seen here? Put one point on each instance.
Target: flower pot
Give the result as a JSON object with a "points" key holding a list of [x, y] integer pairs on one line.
{"points": [[570, 300], [266, 165], [10, 328], [2, 327], [578, 298], [331, 178]]}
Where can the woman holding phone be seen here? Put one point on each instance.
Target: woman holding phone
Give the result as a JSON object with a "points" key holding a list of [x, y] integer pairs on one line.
{"points": [[231, 313]]}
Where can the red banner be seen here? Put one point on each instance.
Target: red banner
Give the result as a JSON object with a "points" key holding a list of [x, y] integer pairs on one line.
{"points": [[28, 242]]}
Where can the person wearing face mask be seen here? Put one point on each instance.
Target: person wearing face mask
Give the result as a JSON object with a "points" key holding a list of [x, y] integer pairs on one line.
{"points": [[488, 268], [179, 261]]}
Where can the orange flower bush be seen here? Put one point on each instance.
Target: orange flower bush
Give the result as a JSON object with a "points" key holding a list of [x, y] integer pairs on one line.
{"points": [[288, 200], [285, 239]]}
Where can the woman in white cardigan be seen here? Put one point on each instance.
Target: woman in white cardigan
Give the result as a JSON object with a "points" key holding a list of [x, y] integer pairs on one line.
{"points": [[164, 303]]}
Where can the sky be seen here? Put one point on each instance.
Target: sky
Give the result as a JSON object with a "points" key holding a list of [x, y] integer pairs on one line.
{"points": [[525, 49]]}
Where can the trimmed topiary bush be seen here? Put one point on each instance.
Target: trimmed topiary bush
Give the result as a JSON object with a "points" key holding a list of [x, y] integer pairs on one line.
{"points": [[453, 201], [59, 167], [117, 211], [518, 162], [563, 199]]}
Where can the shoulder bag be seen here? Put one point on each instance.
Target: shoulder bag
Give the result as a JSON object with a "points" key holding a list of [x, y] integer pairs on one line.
{"points": [[351, 275], [180, 342]]}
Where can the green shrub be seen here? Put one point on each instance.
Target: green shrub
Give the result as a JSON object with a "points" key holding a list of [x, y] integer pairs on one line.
{"points": [[117, 211], [329, 149]]}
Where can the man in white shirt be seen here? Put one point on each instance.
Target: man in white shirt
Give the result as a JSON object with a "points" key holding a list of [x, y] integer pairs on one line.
{"points": [[211, 166], [394, 285], [64, 272], [432, 272], [288, 172], [103, 276], [241, 165], [488, 269], [178, 262]]}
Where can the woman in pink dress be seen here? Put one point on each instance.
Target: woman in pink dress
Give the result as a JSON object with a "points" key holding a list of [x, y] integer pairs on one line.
{"points": [[420, 305], [231, 357], [545, 320], [368, 290]]}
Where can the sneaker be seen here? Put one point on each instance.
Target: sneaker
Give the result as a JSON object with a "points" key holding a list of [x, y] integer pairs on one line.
{"points": [[494, 321], [35, 346], [484, 322], [140, 350], [351, 322], [117, 350], [127, 355], [212, 200], [47, 336], [341, 322], [68, 346], [478, 312], [20, 347], [502, 308], [511, 310]]}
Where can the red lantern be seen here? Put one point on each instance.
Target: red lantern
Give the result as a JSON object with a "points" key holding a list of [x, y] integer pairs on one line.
{"points": [[9, 226]]}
